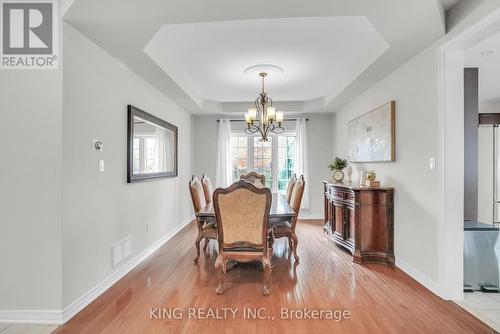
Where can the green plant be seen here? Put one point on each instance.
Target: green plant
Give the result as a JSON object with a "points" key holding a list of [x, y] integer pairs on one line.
{"points": [[338, 164]]}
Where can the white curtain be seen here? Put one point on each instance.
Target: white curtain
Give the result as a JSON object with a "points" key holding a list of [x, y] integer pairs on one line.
{"points": [[223, 171], [301, 159]]}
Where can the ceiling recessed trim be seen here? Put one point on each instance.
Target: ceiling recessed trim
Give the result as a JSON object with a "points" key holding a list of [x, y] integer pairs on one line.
{"points": [[123, 31], [263, 68], [311, 54]]}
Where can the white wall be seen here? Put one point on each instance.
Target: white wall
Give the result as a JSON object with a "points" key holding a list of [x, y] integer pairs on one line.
{"points": [[320, 139], [414, 87], [485, 175], [30, 191], [101, 208], [321, 152]]}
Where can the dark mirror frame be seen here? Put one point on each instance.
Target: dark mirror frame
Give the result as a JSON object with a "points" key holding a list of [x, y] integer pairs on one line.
{"points": [[131, 177]]}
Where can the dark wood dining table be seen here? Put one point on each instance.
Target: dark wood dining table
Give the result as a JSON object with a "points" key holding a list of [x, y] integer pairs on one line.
{"points": [[280, 210]]}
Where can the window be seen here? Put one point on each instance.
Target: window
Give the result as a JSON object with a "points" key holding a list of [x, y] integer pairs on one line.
{"points": [[286, 161], [145, 155], [274, 159], [262, 159], [137, 158], [239, 145], [151, 155]]}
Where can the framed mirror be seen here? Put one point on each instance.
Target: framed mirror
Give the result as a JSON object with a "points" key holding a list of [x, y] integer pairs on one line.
{"points": [[151, 147]]}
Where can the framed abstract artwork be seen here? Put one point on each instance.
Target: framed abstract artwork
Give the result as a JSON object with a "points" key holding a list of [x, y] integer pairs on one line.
{"points": [[372, 136]]}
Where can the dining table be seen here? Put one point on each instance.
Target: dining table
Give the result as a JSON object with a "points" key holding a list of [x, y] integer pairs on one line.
{"points": [[280, 211]]}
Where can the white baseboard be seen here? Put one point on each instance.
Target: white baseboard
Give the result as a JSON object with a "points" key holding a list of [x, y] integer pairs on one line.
{"points": [[79, 304], [58, 317], [418, 276], [45, 317]]}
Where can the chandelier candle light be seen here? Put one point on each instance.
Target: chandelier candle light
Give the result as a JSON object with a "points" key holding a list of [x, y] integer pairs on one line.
{"points": [[264, 118]]}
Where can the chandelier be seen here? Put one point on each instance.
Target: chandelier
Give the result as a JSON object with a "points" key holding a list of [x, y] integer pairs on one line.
{"points": [[263, 119]]}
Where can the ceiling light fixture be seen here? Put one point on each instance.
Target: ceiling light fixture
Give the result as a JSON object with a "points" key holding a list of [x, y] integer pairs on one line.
{"points": [[263, 118]]}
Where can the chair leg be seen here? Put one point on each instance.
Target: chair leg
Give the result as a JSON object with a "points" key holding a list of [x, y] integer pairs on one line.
{"points": [[206, 244], [295, 243], [197, 244], [267, 276], [220, 267], [270, 239]]}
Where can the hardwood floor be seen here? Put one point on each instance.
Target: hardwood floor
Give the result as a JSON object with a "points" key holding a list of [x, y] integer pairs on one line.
{"points": [[380, 299]]}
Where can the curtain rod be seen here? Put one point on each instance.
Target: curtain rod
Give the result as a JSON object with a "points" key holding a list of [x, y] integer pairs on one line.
{"points": [[242, 120]]}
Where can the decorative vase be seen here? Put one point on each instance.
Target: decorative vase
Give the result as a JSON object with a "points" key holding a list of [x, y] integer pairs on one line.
{"points": [[338, 176], [362, 176], [348, 173], [371, 176]]}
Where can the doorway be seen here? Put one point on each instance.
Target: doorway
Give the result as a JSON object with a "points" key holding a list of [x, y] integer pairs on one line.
{"points": [[451, 118], [456, 176]]}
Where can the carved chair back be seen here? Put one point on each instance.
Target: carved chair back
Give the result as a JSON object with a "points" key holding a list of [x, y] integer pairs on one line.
{"points": [[197, 194], [242, 212], [296, 197], [252, 176], [289, 188], [208, 189]]}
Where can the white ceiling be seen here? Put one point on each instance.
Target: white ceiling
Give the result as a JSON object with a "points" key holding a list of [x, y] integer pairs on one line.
{"points": [[209, 58], [348, 46], [486, 56]]}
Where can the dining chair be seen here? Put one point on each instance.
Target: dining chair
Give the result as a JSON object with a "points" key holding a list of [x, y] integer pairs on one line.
{"points": [[208, 189], [290, 187], [206, 228], [253, 176], [287, 229], [242, 212]]}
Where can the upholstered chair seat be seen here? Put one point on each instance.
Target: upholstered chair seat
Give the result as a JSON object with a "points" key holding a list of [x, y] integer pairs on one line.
{"points": [[282, 228], [210, 226]]}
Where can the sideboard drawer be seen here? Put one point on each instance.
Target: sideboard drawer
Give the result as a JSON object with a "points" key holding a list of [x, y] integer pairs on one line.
{"points": [[349, 197], [373, 198], [336, 194]]}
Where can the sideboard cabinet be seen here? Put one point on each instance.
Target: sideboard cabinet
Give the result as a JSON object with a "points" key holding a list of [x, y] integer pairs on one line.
{"points": [[361, 220]]}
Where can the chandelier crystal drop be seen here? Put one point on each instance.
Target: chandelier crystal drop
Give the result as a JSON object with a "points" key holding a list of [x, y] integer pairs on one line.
{"points": [[263, 119]]}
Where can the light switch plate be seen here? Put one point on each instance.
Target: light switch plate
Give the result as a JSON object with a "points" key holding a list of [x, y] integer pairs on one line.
{"points": [[432, 163], [101, 166]]}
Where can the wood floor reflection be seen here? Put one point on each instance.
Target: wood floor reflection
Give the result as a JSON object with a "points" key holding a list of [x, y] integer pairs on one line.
{"points": [[380, 299]]}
